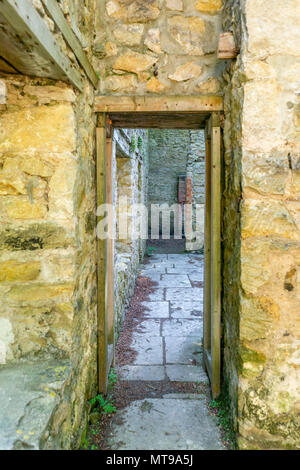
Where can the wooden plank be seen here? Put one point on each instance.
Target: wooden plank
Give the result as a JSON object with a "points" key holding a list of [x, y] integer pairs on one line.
{"points": [[101, 265], [110, 246], [7, 67], [207, 251], [141, 120], [58, 17], [216, 257], [171, 104], [43, 56]]}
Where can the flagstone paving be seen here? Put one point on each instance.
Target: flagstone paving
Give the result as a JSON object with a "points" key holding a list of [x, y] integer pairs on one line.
{"points": [[168, 347]]}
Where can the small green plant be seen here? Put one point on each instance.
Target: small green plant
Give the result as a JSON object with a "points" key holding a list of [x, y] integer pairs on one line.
{"points": [[150, 250], [112, 377], [140, 143], [132, 145], [221, 408], [93, 447], [105, 406]]}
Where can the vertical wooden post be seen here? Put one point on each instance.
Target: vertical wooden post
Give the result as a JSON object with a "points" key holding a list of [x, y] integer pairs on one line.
{"points": [[207, 254], [101, 258], [216, 254], [110, 250], [212, 289]]}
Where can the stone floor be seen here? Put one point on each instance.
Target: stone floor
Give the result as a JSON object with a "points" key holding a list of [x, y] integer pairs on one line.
{"points": [[168, 349], [29, 393]]}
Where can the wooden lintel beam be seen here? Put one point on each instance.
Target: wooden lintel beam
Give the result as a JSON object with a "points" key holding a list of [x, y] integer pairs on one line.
{"points": [[152, 104], [28, 24], [58, 17]]}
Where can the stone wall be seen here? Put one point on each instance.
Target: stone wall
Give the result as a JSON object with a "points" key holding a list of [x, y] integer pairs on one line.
{"points": [[158, 46], [47, 238], [261, 223], [131, 172], [174, 153], [195, 172]]}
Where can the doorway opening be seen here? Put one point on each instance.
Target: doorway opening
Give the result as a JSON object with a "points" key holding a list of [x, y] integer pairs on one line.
{"points": [[174, 304]]}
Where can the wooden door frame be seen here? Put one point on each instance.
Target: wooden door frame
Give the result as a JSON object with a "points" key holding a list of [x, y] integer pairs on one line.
{"points": [[212, 256], [105, 255], [212, 107]]}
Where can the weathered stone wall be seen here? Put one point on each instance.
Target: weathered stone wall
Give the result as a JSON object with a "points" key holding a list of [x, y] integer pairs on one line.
{"points": [[158, 46], [261, 224], [47, 238], [195, 172], [131, 162], [174, 153]]}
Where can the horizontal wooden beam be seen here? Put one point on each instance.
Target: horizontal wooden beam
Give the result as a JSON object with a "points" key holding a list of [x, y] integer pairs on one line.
{"points": [[42, 54], [141, 120], [151, 104], [58, 17]]}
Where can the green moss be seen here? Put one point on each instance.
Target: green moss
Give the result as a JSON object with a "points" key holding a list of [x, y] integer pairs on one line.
{"points": [[250, 355]]}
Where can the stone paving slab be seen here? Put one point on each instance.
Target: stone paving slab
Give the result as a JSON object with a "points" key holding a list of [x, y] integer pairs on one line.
{"points": [[186, 269], [184, 293], [195, 276], [149, 350], [182, 350], [29, 393], [186, 373], [182, 327], [156, 309], [174, 280], [149, 328], [165, 424], [148, 373], [187, 309], [157, 296]]}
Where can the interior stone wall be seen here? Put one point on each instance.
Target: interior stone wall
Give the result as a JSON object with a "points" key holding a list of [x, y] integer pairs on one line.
{"points": [[47, 238], [131, 163], [261, 223], [158, 46], [174, 153]]}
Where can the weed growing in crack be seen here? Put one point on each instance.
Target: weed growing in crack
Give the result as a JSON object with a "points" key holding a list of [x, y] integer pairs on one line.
{"points": [[221, 409]]}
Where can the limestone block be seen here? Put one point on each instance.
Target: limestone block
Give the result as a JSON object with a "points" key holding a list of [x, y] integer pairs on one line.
{"points": [[256, 321], [261, 118], [46, 94], [280, 34], [20, 207], [12, 183], [155, 85], [186, 72], [111, 49], [61, 188], [267, 174], [39, 293], [174, 5], [262, 218], [133, 11], [29, 129], [188, 32], [209, 6], [134, 62], [129, 34], [13, 270], [210, 86], [152, 40], [34, 164], [120, 83]]}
